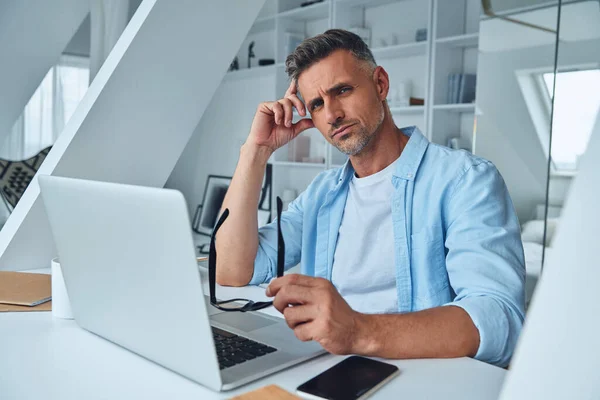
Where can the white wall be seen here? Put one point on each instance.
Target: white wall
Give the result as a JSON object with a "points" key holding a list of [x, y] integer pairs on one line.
{"points": [[80, 42], [505, 5], [216, 141], [505, 132], [558, 190], [33, 35]]}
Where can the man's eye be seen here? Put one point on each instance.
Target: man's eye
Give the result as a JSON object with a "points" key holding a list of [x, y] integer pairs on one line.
{"points": [[344, 90], [315, 105]]}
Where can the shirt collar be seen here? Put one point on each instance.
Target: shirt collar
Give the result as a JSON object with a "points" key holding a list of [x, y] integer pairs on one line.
{"points": [[412, 155], [409, 161]]}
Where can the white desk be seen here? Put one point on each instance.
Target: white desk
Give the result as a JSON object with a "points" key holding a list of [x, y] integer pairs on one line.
{"points": [[46, 358]]}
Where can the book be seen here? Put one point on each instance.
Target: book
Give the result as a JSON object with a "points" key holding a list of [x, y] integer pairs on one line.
{"points": [[24, 289], [466, 92], [454, 81], [449, 92]]}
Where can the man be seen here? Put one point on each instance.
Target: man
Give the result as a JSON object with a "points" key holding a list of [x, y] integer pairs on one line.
{"points": [[410, 250]]}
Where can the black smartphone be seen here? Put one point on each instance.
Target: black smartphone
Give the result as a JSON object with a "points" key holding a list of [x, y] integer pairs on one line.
{"points": [[351, 379]]}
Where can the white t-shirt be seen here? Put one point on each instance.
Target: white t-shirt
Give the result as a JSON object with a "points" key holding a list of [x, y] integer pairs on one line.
{"points": [[364, 271]]}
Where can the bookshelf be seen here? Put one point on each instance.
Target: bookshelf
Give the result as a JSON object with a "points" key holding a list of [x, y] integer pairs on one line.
{"points": [[450, 48]]}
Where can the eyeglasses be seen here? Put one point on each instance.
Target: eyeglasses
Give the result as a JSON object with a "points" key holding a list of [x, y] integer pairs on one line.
{"points": [[242, 305]]}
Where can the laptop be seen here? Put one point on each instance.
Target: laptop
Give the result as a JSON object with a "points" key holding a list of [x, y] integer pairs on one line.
{"points": [[129, 265]]}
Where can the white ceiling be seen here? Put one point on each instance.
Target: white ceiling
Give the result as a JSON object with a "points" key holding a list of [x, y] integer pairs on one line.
{"points": [[579, 21]]}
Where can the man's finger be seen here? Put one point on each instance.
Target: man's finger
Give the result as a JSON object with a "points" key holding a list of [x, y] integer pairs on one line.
{"points": [[291, 90], [292, 294], [304, 331], [302, 125], [288, 112], [295, 279], [278, 113], [299, 314], [298, 104]]}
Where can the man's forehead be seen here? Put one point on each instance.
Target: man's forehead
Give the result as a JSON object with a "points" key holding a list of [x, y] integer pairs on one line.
{"points": [[314, 88], [324, 74]]}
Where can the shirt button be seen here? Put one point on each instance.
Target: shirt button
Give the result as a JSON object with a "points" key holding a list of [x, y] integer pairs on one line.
{"points": [[409, 175]]}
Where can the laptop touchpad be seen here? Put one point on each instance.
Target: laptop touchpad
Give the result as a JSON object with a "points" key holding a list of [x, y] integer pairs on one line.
{"points": [[242, 321]]}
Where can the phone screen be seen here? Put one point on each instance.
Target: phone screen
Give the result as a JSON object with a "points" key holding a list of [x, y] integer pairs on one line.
{"points": [[349, 380]]}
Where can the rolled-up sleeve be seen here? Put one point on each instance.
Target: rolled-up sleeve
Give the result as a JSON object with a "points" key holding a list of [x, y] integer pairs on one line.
{"points": [[265, 263], [485, 260]]}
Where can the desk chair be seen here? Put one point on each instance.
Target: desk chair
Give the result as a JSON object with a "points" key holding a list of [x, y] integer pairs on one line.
{"points": [[15, 176]]}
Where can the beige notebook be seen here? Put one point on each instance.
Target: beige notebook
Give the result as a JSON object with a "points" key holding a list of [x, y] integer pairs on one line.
{"points": [[24, 289], [271, 392]]}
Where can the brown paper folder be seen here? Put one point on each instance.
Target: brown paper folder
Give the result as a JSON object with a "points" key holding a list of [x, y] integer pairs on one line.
{"points": [[24, 289]]}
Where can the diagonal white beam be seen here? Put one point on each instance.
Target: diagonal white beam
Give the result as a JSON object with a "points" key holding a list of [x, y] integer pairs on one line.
{"points": [[140, 111]]}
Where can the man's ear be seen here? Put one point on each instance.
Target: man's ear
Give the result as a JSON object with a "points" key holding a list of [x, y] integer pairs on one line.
{"points": [[382, 82]]}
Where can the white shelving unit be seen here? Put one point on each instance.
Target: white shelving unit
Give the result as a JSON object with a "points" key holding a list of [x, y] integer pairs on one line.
{"points": [[457, 108], [451, 47], [455, 40]]}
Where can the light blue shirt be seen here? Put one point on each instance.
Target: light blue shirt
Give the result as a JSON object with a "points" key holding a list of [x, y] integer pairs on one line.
{"points": [[456, 237]]}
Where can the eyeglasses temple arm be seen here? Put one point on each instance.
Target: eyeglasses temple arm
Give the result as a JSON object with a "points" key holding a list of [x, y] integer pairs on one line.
{"points": [[280, 242], [212, 258]]}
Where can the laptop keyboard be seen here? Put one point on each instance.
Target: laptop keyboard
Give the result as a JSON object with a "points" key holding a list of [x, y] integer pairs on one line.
{"points": [[233, 349]]}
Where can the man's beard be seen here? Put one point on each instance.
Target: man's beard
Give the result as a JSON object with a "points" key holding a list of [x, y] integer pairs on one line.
{"points": [[351, 145]]}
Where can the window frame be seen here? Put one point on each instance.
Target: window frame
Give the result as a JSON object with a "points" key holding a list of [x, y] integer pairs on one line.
{"points": [[539, 100]]}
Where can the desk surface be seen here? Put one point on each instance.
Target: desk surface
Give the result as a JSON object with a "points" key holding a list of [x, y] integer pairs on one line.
{"points": [[47, 358]]}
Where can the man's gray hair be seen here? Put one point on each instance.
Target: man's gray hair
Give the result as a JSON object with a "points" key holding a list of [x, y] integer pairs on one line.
{"points": [[318, 47]]}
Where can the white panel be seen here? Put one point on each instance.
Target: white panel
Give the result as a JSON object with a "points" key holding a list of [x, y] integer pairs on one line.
{"points": [[473, 15], [451, 16], [396, 23], [410, 68], [445, 125], [214, 148], [558, 356], [316, 27], [287, 26], [292, 177], [139, 112], [447, 61], [33, 35], [264, 47], [347, 17], [405, 120], [470, 61], [558, 189], [466, 127]]}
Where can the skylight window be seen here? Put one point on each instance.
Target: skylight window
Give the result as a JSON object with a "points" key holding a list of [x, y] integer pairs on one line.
{"points": [[576, 107]]}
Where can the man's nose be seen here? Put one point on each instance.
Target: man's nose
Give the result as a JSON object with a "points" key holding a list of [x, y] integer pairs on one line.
{"points": [[333, 113]]}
